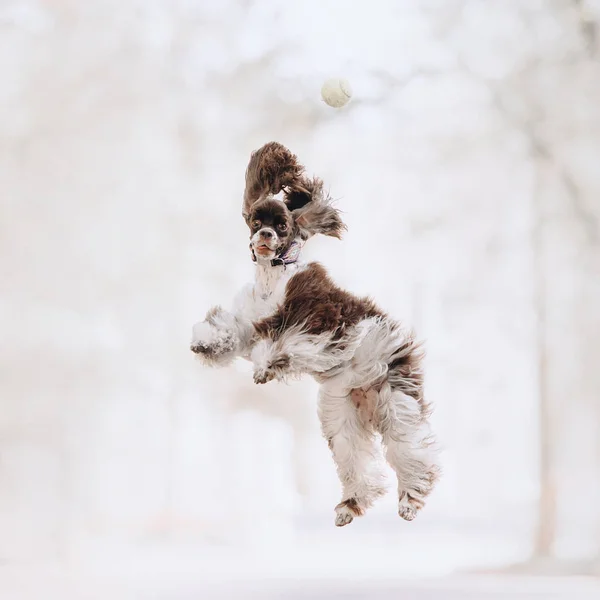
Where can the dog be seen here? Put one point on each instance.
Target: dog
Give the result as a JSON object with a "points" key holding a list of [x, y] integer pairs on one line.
{"points": [[294, 320]]}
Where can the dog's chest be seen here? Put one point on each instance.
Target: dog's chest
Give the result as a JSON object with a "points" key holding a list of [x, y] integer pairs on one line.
{"points": [[270, 283], [269, 288]]}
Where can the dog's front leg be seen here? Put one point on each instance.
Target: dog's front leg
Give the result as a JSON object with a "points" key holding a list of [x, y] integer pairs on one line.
{"points": [[293, 353], [270, 360], [221, 337]]}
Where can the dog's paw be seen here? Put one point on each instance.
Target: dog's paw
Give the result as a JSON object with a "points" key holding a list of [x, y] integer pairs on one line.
{"points": [[263, 375], [204, 336], [345, 512], [343, 517], [407, 512], [199, 347], [212, 345], [276, 369], [408, 508]]}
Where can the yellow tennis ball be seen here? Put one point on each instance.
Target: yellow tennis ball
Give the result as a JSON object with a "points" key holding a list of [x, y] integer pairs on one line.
{"points": [[336, 92]]}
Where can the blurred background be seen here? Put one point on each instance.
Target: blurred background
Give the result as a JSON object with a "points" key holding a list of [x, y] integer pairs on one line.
{"points": [[467, 169]]}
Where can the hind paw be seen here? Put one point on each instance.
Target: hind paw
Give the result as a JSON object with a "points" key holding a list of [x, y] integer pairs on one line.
{"points": [[346, 510], [408, 507]]}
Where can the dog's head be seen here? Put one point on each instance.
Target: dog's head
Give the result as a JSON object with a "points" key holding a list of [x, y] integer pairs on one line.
{"points": [[305, 210]]}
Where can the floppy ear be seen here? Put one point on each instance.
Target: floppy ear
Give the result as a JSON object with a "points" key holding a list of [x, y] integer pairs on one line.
{"points": [[312, 209], [271, 168]]}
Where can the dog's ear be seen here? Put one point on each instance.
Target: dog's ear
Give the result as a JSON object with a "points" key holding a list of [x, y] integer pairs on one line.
{"points": [[271, 168], [312, 209]]}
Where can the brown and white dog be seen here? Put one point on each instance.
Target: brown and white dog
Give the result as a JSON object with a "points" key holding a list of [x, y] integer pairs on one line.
{"points": [[294, 320]]}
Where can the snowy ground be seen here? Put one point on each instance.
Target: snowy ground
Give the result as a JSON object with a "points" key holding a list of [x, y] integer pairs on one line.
{"points": [[415, 567], [56, 584]]}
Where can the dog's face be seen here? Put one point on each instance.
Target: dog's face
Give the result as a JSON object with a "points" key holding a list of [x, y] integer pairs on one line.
{"points": [[272, 228], [304, 211]]}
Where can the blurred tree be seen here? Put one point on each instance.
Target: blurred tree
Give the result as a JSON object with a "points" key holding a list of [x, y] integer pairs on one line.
{"points": [[548, 94]]}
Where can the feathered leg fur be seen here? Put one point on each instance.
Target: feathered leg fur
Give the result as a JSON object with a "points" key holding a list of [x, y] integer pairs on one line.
{"points": [[357, 455]]}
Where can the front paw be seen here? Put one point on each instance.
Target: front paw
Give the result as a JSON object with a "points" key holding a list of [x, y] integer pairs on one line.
{"points": [[264, 375], [205, 350], [274, 370], [200, 348], [211, 344]]}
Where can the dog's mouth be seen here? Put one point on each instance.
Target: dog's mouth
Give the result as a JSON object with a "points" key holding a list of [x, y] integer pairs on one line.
{"points": [[263, 249]]}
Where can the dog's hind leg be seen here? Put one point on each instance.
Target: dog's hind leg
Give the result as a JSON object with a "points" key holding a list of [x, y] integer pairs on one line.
{"points": [[410, 448], [356, 452]]}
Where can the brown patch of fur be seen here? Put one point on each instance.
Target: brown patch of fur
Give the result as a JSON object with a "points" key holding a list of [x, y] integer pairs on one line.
{"points": [[353, 505], [313, 301], [405, 371], [313, 210], [271, 168], [365, 402]]}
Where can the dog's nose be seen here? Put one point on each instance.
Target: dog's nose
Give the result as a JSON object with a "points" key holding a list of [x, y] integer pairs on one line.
{"points": [[266, 234]]}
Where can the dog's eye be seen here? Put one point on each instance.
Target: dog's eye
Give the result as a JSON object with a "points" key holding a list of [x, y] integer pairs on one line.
{"points": [[255, 224], [282, 226]]}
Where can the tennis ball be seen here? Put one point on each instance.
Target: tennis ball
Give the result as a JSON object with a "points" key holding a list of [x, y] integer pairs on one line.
{"points": [[336, 92]]}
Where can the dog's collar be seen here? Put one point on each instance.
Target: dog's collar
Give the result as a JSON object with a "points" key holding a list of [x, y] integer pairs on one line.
{"points": [[289, 257]]}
